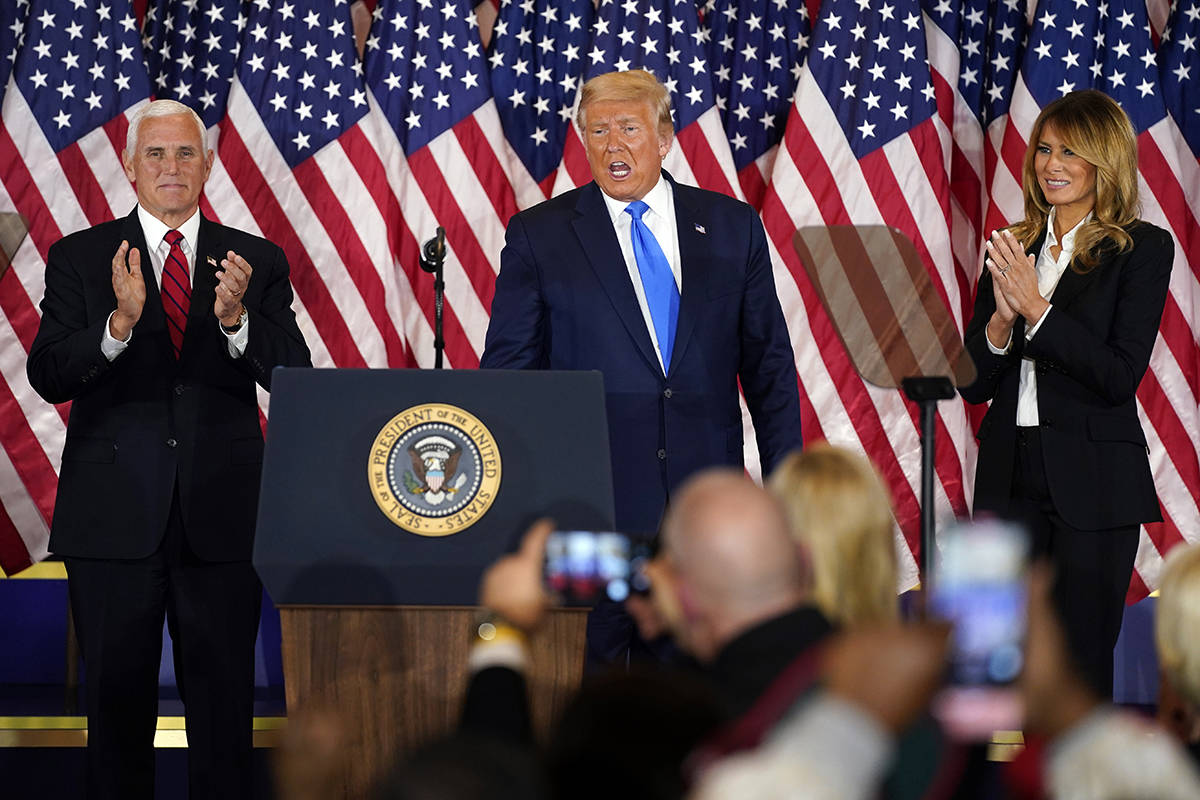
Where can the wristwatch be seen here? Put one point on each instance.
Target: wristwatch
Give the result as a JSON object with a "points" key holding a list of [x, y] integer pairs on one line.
{"points": [[237, 326]]}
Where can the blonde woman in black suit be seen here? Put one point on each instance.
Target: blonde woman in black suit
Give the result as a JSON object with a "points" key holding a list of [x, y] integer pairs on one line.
{"points": [[1065, 317]]}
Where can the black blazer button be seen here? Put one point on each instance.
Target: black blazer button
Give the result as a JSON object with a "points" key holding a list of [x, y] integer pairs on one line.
{"points": [[179, 390], [662, 455], [667, 393], [171, 442]]}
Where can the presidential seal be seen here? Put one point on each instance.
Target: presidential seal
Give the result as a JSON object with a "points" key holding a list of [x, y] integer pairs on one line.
{"points": [[434, 469]]}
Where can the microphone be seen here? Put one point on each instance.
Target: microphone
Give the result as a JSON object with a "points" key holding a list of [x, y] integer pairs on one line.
{"points": [[433, 253]]}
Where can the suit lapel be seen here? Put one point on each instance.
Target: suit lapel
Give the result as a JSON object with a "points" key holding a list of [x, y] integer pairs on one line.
{"points": [[204, 278], [603, 251], [696, 268]]}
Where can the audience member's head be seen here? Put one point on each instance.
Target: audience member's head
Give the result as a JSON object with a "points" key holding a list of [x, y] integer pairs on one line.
{"points": [[840, 510], [728, 561], [1177, 637], [466, 767], [626, 733]]}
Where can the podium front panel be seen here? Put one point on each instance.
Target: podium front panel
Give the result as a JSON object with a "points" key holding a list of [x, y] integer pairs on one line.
{"points": [[398, 487]]}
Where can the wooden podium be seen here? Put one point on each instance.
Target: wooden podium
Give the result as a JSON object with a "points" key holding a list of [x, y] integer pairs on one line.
{"points": [[375, 582], [395, 677]]}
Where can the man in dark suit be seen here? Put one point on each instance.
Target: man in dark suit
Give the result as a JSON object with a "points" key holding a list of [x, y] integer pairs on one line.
{"points": [[666, 289], [157, 327]]}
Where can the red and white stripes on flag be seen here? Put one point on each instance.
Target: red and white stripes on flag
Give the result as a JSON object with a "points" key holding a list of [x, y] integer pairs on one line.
{"points": [[74, 81], [350, 163]]}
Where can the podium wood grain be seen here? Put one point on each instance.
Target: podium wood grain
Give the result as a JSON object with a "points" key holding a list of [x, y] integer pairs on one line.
{"points": [[393, 678]]}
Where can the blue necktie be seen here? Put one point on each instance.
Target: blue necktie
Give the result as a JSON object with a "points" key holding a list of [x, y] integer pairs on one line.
{"points": [[662, 296]]}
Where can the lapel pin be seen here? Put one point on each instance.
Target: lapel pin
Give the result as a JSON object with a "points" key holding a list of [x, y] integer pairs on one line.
{"points": [[700, 228], [212, 261]]}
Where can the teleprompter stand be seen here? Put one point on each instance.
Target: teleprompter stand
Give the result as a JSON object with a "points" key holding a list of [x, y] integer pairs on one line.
{"points": [[896, 328]]}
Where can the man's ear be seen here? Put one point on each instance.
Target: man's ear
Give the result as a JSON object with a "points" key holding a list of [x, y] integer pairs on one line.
{"points": [[664, 144], [127, 163]]}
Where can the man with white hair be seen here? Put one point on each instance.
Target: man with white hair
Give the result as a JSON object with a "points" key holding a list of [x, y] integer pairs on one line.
{"points": [[156, 327]]}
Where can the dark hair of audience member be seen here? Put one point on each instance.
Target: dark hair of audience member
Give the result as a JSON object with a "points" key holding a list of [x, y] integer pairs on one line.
{"points": [[627, 735], [466, 767]]}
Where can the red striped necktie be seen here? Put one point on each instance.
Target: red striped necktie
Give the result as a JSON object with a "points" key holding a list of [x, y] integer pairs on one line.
{"points": [[176, 290]]}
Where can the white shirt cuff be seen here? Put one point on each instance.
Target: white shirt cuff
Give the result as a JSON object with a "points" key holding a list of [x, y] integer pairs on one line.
{"points": [[110, 346], [1034, 328], [997, 350], [238, 339], [497, 654]]}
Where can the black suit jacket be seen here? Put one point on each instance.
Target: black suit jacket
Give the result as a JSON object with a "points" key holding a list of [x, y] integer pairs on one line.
{"points": [[564, 300], [1090, 354], [146, 420]]}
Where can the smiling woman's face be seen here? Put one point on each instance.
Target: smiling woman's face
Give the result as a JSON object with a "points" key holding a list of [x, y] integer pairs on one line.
{"points": [[1068, 181]]}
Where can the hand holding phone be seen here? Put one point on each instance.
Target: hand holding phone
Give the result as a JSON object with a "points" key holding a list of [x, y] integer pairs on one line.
{"points": [[981, 588]]}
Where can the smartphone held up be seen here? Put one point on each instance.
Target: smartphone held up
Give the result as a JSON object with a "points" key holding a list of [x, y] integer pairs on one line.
{"points": [[583, 567]]}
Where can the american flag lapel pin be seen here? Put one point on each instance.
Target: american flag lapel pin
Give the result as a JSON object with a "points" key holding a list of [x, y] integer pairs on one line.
{"points": [[212, 261], [700, 228]]}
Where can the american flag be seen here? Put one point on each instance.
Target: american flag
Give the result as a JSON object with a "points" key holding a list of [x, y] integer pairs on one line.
{"points": [[861, 147], [435, 119], [903, 112], [1109, 46], [973, 47], [537, 56], [78, 74], [755, 49], [1179, 73], [665, 37]]}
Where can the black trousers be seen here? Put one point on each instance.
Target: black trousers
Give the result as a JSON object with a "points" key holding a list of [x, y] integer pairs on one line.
{"points": [[212, 612], [1092, 568]]}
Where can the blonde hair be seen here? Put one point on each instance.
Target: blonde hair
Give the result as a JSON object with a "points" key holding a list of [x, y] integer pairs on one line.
{"points": [[1098, 131], [1177, 622], [839, 508], [635, 85]]}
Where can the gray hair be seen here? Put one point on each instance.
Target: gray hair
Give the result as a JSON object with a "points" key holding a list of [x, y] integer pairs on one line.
{"points": [[160, 108]]}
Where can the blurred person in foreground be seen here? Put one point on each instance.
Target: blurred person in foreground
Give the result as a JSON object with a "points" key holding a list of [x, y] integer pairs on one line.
{"points": [[1066, 314], [1177, 640], [734, 588], [623, 734], [1078, 745], [840, 510]]}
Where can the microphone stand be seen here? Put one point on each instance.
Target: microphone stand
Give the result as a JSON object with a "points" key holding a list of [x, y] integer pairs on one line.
{"points": [[433, 255]]}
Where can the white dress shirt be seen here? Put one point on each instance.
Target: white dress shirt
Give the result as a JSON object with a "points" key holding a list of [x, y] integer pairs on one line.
{"points": [[1049, 272], [155, 231], [660, 219]]}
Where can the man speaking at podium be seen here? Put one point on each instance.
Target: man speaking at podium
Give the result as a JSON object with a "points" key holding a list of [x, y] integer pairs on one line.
{"points": [[664, 288], [157, 327]]}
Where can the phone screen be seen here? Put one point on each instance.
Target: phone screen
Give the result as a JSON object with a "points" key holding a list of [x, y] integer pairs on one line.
{"points": [[584, 566], [981, 588]]}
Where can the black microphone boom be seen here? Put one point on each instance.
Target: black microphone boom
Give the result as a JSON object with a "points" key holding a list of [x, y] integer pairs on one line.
{"points": [[433, 256]]}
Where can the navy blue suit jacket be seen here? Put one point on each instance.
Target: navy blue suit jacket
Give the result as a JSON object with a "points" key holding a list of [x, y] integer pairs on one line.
{"points": [[564, 300]]}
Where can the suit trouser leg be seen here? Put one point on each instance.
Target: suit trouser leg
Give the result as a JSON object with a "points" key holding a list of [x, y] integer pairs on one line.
{"points": [[212, 613], [118, 607], [1092, 568]]}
